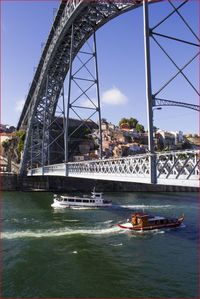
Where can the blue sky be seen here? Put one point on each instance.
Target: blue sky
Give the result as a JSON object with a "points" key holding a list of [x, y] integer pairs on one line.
{"points": [[26, 24]]}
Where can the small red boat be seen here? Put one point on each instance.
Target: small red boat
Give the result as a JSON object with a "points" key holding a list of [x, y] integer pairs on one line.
{"points": [[142, 221]]}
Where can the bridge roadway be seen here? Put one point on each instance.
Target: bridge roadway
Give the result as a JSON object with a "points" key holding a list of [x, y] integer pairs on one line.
{"points": [[178, 168]]}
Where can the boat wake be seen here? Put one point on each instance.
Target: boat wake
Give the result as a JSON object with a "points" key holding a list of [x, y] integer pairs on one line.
{"points": [[57, 233], [21, 220], [138, 207], [83, 208], [151, 232], [70, 220], [116, 245], [107, 221]]}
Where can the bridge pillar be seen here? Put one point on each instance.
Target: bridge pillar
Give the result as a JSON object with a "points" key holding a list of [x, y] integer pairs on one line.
{"points": [[149, 97], [81, 103]]}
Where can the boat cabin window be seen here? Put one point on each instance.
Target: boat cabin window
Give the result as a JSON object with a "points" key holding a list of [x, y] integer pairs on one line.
{"points": [[71, 200], [85, 200], [106, 201], [152, 222]]}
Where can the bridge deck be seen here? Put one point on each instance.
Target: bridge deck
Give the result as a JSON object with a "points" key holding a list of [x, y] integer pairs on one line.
{"points": [[174, 168]]}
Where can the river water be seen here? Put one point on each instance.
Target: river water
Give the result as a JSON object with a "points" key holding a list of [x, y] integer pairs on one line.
{"points": [[66, 253]]}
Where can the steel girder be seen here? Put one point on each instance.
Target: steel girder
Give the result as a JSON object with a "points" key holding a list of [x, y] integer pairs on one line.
{"points": [[44, 92], [156, 101], [163, 102], [83, 78]]}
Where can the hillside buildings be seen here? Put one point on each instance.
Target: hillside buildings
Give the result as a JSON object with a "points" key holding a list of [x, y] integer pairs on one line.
{"points": [[116, 141]]}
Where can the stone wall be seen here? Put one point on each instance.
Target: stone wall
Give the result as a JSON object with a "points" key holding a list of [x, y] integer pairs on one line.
{"points": [[61, 184], [8, 182]]}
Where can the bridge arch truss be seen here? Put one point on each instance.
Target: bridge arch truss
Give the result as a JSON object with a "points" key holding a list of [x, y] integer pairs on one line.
{"points": [[39, 109], [83, 19]]}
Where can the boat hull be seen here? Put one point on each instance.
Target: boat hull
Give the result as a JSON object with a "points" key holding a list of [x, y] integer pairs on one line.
{"points": [[129, 226], [59, 205]]}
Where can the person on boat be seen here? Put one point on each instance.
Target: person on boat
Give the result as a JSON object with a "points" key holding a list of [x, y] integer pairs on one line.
{"points": [[134, 219]]}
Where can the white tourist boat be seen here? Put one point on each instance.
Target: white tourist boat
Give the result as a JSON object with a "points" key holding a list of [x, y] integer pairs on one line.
{"points": [[96, 200]]}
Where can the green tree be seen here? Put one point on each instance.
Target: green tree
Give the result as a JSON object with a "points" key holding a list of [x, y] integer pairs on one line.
{"points": [[14, 146], [123, 121], [139, 128], [21, 138], [133, 122]]}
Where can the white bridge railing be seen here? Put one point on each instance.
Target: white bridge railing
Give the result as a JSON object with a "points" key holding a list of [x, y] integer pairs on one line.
{"points": [[178, 168], [173, 168]]}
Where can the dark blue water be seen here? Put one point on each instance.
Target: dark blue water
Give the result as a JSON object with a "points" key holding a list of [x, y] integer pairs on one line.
{"points": [[82, 253]]}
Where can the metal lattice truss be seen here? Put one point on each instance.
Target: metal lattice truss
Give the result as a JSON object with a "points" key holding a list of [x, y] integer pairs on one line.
{"points": [[173, 168], [84, 106], [178, 166], [40, 105], [180, 70], [161, 102], [38, 114], [137, 167]]}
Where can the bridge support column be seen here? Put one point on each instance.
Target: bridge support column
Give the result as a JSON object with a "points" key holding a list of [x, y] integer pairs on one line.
{"points": [[83, 83], [98, 96], [65, 132], [149, 97], [45, 130]]}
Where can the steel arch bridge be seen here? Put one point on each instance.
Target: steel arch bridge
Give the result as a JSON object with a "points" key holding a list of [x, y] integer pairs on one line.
{"points": [[76, 21], [86, 17]]}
